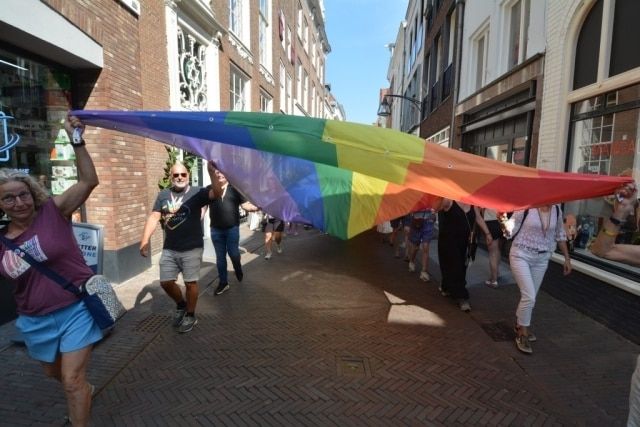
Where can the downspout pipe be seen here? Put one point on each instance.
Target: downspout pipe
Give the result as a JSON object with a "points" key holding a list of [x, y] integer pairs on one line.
{"points": [[456, 71]]}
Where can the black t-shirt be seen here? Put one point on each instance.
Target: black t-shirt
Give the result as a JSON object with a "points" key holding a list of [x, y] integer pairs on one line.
{"points": [[180, 217], [223, 211]]}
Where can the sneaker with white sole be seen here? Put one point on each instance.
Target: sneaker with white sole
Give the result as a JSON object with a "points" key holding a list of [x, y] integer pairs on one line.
{"points": [[279, 247], [424, 276], [412, 267], [464, 305], [523, 344], [187, 324], [221, 288], [267, 256], [491, 284]]}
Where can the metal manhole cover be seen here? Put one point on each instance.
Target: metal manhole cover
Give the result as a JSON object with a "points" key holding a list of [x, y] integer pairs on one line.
{"points": [[353, 367], [152, 323], [499, 331]]}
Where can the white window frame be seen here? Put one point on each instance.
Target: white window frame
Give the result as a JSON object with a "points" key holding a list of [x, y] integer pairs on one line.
{"points": [[305, 89], [266, 102], [289, 99], [522, 36], [299, 70], [478, 65], [239, 90], [239, 20], [283, 88], [265, 34]]}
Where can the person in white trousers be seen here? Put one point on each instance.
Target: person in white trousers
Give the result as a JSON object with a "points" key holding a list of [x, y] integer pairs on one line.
{"points": [[536, 231]]}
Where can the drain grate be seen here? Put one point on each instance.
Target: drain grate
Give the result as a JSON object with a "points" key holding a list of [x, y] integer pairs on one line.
{"points": [[152, 323], [499, 331], [353, 367]]}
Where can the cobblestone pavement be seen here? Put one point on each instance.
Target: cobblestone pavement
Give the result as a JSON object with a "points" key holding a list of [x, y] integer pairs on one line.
{"points": [[338, 333]]}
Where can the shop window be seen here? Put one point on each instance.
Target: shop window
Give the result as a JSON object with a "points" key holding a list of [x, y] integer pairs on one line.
{"points": [[34, 100], [604, 141]]}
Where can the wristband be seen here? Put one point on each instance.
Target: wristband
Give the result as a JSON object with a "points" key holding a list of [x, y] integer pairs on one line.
{"points": [[616, 221], [609, 233], [76, 138]]}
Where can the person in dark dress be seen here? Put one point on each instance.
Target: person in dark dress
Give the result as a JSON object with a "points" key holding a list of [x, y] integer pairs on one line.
{"points": [[456, 220]]}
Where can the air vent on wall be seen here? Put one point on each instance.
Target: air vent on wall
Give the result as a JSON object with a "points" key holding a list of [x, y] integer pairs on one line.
{"points": [[132, 5]]}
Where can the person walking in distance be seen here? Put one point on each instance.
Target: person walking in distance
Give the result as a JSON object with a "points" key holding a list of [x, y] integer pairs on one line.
{"points": [[272, 228], [490, 218], [225, 228], [179, 209], [420, 236], [456, 221]]}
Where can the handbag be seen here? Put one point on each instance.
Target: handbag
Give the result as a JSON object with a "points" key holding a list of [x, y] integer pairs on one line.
{"points": [[97, 294], [255, 221]]}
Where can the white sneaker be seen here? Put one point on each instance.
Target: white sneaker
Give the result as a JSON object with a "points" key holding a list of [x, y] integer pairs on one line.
{"points": [[268, 255], [424, 276], [412, 267], [278, 248], [465, 306]]}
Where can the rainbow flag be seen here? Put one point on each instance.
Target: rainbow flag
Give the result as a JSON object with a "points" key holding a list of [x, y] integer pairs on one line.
{"points": [[342, 177]]}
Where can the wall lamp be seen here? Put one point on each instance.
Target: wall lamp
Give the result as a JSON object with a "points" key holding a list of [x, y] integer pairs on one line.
{"points": [[385, 108]]}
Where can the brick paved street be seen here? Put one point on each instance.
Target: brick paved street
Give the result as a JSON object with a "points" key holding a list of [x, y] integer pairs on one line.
{"points": [[337, 333]]}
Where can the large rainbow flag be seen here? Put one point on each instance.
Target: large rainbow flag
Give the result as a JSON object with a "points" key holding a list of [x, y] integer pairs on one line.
{"points": [[344, 177]]}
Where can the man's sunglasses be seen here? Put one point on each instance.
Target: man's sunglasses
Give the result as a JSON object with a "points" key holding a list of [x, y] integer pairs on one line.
{"points": [[182, 174]]}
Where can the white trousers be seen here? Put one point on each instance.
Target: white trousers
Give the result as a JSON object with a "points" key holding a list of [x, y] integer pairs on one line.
{"points": [[528, 269]]}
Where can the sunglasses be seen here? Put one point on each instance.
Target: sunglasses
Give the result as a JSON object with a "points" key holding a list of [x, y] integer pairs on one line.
{"points": [[181, 174]]}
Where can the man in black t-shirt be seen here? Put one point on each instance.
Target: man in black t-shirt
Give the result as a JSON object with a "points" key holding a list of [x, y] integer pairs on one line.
{"points": [[225, 227], [179, 209]]}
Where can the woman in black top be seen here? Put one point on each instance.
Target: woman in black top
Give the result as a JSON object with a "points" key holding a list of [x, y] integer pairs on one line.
{"points": [[456, 220]]}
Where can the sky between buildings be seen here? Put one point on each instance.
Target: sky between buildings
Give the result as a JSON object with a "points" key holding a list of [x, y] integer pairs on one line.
{"points": [[356, 68]]}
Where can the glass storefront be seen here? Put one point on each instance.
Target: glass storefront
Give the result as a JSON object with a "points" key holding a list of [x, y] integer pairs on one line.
{"points": [[604, 141], [34, 100]]}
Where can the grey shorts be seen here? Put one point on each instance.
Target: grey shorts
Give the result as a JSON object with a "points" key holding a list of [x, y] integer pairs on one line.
{"points": [[173, 263]]}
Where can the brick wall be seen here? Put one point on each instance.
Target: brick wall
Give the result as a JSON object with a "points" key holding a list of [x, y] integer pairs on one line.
{"points": [[155, 96], [134, 77]]}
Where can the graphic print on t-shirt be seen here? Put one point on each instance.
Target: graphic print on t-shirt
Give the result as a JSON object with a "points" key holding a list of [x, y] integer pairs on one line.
{"points": [[13, 263], [174, 219]]}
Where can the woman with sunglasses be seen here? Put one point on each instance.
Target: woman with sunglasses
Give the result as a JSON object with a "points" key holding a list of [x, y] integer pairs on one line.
{"points": [[56, 326]]}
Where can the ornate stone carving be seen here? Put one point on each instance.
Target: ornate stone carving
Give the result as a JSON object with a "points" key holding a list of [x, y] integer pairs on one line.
{"points": [[240, 48], [193, 83]]}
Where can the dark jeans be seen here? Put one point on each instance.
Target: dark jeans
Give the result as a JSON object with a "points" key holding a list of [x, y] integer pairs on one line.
{"points": [[226, 241]]}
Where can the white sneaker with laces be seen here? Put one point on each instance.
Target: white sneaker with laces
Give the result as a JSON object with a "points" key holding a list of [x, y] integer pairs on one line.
{"points": [[412, 267]]}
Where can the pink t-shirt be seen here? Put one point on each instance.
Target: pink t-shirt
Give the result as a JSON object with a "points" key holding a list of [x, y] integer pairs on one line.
{"points": [[49, 240]]}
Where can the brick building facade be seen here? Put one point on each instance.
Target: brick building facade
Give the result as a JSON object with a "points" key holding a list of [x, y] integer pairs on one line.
{"points": [[134, 55]]}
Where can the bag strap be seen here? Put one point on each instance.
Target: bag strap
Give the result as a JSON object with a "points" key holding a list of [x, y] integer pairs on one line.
{"points": [[526, 212], [43, 269]]}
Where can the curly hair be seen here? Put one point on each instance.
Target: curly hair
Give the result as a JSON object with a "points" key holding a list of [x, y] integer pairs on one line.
{"points": [[38, 193]]}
